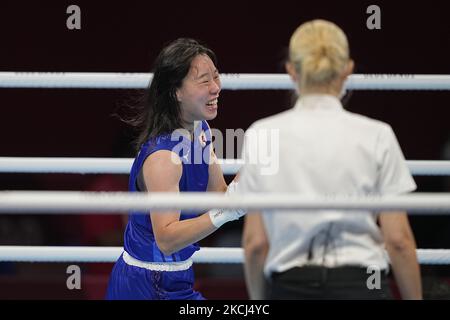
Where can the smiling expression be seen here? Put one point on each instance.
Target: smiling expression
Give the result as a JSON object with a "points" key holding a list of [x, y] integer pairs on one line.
{"points": [[199, 92]]}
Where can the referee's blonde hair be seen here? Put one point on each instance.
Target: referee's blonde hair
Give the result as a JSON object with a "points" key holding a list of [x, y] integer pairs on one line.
{"points": [[319, 52]]}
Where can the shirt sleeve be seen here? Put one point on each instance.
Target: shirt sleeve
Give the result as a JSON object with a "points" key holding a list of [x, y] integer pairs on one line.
{"points": [[394, 176], [248, 174]]}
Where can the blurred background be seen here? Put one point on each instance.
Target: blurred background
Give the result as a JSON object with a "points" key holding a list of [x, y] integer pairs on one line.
{"points": [[248, 37]]}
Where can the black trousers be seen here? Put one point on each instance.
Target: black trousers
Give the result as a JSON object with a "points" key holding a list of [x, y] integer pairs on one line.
{"points": [[320, 283]]}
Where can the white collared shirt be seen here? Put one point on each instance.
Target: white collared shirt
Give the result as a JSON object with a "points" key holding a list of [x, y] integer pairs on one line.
{"points": [[319, 149]]}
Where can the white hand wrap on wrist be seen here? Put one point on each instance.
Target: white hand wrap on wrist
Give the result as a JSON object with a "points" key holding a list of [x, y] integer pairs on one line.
{"points": [[221, 216], [231, 187]]}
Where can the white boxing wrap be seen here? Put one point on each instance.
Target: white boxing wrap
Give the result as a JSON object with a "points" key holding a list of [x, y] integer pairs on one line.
{"points": [[231, 187], [221, 216]]}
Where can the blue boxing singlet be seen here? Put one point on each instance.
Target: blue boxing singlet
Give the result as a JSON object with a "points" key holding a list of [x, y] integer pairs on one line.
{"points": [[128, 280]]}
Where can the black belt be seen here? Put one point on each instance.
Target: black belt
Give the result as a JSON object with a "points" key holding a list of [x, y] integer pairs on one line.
{"points": [[319, 273]]}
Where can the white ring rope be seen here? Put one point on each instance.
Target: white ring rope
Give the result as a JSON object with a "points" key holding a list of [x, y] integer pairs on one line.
{"points": [[77, 202], [123, 165], [58, 202], [110, 254], [104, 254], [237, 81]]}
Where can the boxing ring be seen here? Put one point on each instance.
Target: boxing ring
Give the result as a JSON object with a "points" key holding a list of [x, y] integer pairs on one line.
{"points": [[19, 202]]}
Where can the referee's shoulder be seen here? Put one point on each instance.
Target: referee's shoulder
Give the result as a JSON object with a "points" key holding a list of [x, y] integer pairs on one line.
{"points": [[274, 121], [367, 122]]}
